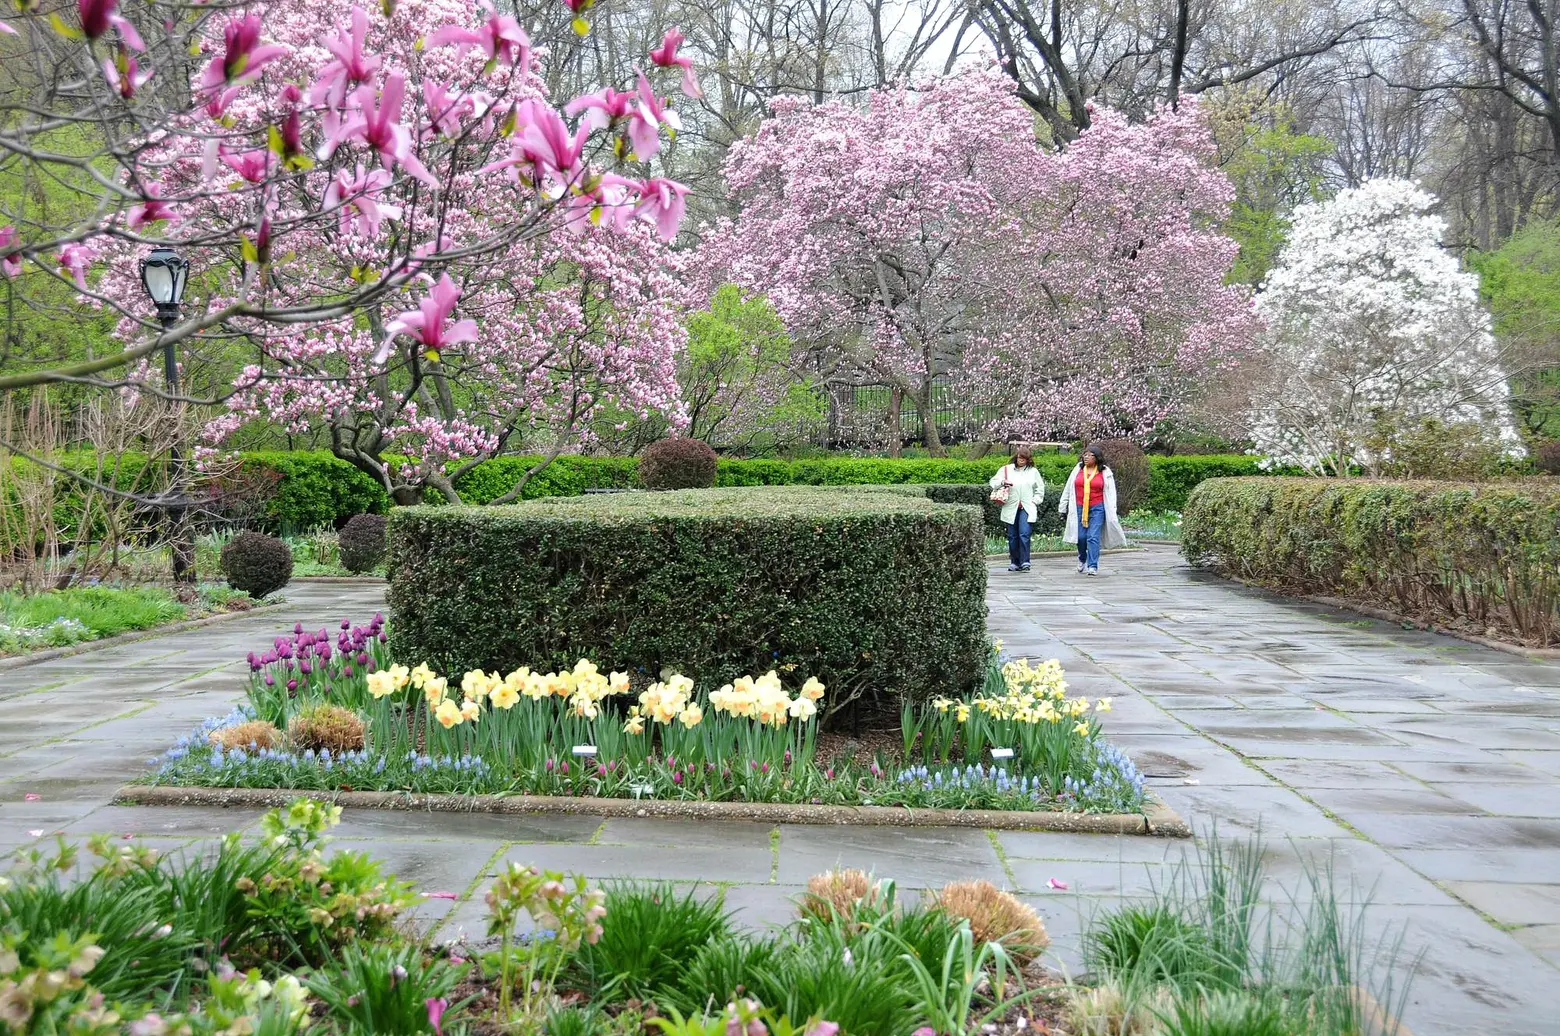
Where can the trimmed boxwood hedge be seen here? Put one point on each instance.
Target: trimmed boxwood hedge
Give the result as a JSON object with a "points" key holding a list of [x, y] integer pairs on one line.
{"points": [[880, 595], [1482, 555]]}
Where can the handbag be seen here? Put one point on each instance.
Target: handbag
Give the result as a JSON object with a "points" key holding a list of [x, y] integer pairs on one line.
{"points": [[1000, 494]]}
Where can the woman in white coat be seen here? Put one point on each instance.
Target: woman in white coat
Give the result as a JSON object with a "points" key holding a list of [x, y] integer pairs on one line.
{"points": [[1089, 502], [1019, 488]]}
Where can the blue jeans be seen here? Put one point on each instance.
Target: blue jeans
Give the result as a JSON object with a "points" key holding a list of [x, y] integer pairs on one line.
{"points": [[1089, 534], [1018, 538]]}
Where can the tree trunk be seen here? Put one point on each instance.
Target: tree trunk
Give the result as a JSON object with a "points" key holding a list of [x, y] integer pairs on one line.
{"points": [[891, 421], [406, 496], [934, 444]]}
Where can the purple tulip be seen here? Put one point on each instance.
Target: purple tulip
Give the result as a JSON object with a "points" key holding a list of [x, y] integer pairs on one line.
{"points": [[383, 639], [298, 627], [549, 766], [346, 624], [601, 771], [436, 1006], [346, 671], [270, 681], [305, 668], [677, 777], [292, 685]]}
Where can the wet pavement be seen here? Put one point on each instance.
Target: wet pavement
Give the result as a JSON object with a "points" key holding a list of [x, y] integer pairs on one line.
{"points": [[1425, 770]]}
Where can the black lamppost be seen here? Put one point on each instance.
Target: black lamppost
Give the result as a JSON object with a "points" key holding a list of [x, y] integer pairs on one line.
{"points": [[163, 273]]}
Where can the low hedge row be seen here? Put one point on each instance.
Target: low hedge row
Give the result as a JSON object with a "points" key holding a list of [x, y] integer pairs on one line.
{"points": [[879, 595], [285, 491], [1482, 555]]}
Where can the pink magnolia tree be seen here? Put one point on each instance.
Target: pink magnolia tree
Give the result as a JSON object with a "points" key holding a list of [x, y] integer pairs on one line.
{"points": [[858, 222], [1109, 311], [410, 242], [926, 237]]}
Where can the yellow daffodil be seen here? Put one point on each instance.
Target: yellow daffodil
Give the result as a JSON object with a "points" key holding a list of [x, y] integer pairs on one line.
{"points": [[583, 706], [504, 696], [1103, 705], [962, 713], [1082, 730], [692, 716], [380, 683], [635, 725], [421, 675], [618, 683], [400, 676], [803, 708], [470, 712], [434, 689], [448, 714], [812, 690]]}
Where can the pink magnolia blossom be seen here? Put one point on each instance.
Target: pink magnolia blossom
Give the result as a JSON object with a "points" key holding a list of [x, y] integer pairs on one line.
{"points": [[254, 166], [7, 29], [74, 259], [665, 56], [662, 202], [124, 74], [377, 124], [288, 138], [500, 38], [243, 58], [602, 108], [98, 16], [427, 322], [151, 208], [349, 65], [358, 196], [445, 107], [646, 120], [10, 253]]}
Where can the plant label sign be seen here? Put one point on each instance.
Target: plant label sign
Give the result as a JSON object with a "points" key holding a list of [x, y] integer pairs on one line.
{"points": [[1001, 753], [585, 750]]}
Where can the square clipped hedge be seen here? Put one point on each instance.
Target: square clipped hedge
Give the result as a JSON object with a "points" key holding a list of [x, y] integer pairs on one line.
{"points": [[880, 595]]}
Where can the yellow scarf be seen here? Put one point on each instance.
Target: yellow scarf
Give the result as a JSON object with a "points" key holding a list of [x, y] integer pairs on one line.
{"points": [[1088, 484]]}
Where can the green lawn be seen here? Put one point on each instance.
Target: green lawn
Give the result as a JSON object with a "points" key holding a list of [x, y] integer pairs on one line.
{"points": [[56, 618]]}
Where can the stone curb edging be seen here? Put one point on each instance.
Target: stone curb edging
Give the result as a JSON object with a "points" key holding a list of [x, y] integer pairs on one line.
{"points": [[1157, 820], [133, 636]]}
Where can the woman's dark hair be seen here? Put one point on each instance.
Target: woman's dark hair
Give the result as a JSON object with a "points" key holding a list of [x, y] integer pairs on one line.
{"points": [[1024, 453], [1099, 455]]}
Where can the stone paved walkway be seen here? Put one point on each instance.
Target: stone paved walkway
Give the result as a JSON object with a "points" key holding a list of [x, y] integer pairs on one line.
{"points": [[1423, 767]]}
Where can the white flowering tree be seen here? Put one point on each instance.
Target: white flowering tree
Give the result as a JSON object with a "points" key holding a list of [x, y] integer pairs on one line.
{"points": [[1375, 331]]}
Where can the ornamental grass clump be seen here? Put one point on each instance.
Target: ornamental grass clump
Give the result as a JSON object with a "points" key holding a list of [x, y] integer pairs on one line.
{"points": [[838, 895], [250, 735], [996, 916], [327, 728]]}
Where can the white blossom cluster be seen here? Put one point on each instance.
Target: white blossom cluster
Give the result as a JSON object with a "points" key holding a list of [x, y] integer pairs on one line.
{"points": [[1373, 325]]}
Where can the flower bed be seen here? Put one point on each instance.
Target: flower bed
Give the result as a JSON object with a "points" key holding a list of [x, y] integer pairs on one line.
{"points": [[280, 936], [328, 713]]}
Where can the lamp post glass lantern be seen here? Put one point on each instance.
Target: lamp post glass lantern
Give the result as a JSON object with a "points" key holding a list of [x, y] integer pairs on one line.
{"points": [[163, 273]]}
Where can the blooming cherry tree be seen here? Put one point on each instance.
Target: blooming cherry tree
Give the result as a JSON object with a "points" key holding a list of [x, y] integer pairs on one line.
{"points": [[1375, 328]]}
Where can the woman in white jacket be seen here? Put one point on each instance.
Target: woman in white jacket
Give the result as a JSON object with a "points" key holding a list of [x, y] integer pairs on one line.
{"points": [[1020, 488], [1089, 502]]}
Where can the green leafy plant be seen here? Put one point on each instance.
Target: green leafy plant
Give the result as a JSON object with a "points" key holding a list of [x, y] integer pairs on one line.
{"points": [[565, 908], [651, 931], [383, 990], [1227, 1014], [256, 563]]}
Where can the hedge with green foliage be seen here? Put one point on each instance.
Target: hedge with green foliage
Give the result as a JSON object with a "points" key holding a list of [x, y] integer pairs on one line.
{"points": [[880, 595], [1172, 479], [315, 488], [566, 476], [1482, 555]]}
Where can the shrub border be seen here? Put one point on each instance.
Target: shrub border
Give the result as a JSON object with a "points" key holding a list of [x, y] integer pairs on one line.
{"points": [[1157, 819], [49, 654]]}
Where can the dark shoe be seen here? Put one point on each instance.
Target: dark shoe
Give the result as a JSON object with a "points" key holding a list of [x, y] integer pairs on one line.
{"points": [[1012, 568], [1023, 568]]}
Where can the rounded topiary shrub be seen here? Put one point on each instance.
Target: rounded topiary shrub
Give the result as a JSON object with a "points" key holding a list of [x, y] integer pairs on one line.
{"points": [[1547, 458], [1126, 460], [256, 563], [362, 542], [677, 464]]}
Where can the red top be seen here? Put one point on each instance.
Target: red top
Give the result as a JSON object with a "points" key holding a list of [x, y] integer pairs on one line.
{"points": [[1096, 488]]}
